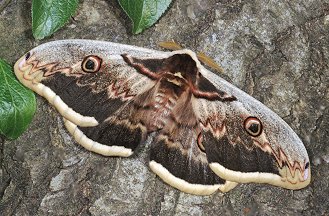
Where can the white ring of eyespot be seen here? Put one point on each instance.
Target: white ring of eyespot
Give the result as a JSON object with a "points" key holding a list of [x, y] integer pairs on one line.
{"points": [[97, 61], [249, 122]]}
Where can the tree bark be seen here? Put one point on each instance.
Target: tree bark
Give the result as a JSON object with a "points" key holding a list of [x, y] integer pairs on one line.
{"points": [[275, 50]]}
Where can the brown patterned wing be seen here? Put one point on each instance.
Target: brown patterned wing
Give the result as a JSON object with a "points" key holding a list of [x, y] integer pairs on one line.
{"points": [[238, 148], [95, 94]]}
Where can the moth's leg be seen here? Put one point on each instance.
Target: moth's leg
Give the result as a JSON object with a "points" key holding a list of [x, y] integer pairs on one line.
{"points": [[94, 146]]}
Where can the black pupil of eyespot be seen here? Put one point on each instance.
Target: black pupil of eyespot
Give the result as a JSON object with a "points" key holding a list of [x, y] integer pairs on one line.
{"points": [[307, 165], [254, 128], [90, 64], [27, 56]]}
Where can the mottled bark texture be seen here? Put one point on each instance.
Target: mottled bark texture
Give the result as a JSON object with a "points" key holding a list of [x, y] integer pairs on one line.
{"points": [[277, 51]]}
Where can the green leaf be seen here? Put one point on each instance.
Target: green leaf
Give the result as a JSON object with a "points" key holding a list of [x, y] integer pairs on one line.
{"points": [[17, 103], [50, 15], [144, 13]]}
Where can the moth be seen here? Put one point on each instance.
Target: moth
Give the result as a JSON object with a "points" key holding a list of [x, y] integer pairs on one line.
{"points": [[206, 134]]}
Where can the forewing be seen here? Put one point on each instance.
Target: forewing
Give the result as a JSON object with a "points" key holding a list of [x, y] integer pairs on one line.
{"points": [[93, 87], [273, 154]]}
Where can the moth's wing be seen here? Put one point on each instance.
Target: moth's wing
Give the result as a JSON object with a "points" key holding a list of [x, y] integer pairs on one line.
{"points": [[94, 146], [275, 156], [227, 143], [53, 70], [96, 103], [177, 158], [127, 127], [120, 133]]}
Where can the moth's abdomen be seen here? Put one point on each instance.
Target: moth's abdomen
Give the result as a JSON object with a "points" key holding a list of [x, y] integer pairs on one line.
{"points": [[161, 111]]}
